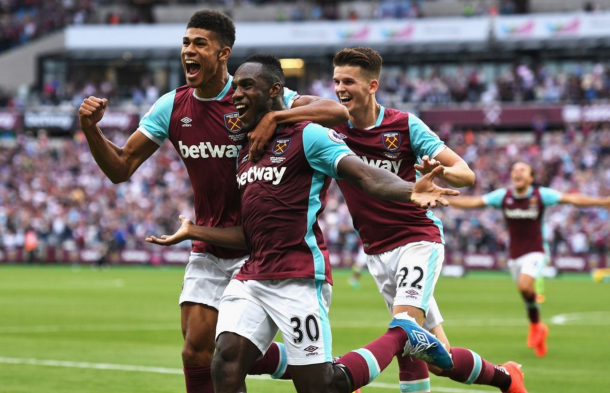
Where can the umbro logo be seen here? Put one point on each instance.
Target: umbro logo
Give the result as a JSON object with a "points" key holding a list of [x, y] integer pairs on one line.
{"points": [[311, 348], [186, 122], [412, 292]]}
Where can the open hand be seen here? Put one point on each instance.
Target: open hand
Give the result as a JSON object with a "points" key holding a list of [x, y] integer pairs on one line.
{"points": [[428, 164], [91, 111], [427, 194], [180, 235]]}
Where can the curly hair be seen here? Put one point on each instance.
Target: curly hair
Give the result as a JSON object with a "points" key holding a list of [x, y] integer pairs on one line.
{"points": [[216, 22]]}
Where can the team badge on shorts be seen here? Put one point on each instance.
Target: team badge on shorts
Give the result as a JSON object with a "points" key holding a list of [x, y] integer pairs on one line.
{"points": [[233, 122], [280, 146], [391, 140]]}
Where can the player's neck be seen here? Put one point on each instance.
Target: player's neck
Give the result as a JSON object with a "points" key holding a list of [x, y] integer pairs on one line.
{"points": [[368, 117], [214, 85], [522, 191]]}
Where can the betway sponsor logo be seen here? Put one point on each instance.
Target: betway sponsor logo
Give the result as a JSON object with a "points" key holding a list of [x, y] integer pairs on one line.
{"points": [[524, 214], [207, 150], [392, 166], [255, 173]]}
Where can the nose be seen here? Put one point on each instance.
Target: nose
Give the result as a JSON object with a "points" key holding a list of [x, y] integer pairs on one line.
{"points": [[189, 49], [238, 95]]}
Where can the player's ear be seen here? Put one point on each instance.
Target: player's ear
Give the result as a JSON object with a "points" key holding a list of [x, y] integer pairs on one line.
{"points": [[276, 89], [373, 86], [224, 53]]}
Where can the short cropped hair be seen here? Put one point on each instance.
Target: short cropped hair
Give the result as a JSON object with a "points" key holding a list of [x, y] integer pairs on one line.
{"points": [[216, 22], [532, 171], [272, 67], [366, 58]]}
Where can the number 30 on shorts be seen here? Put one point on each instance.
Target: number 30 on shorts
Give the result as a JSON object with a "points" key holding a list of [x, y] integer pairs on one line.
{"points": [[311, 328]]}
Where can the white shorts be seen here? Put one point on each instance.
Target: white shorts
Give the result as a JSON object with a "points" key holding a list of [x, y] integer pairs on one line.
{"points": [[530, 264], [298, 307], [407, 275], [206, 277]]}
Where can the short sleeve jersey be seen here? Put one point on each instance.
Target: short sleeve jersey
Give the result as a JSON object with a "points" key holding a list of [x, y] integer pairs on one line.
{"points": [[207, 133], [524, 216], [396, 142], [282, 196]]}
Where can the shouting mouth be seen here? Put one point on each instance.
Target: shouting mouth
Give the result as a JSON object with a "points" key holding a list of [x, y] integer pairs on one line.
{"points": [[242, 109], [192, 68]]}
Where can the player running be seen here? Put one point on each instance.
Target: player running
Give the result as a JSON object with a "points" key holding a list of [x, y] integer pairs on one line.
{"points": [[285, 285], [523, 206], [201, 122], [404, 243]]}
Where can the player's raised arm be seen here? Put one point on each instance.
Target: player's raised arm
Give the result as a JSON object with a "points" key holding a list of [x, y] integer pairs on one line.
{"points": [[118, 163], [468, 202], [584, 200], [305, 108], [383, 184], [231, 237], [456, 171]]}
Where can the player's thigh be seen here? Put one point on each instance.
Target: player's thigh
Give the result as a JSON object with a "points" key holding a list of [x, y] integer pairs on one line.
{"points": [[415, 270], [242, 313], [206, 277], [527, 268], [299, 307], [198, 325]]}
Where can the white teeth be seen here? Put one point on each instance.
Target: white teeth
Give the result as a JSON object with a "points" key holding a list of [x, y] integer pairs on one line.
{"points": [[240, 106], [190, 62]]}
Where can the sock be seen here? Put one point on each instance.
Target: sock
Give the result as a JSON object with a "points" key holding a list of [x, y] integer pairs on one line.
{"points": [[273, 363], [413, 375], [471, 368], [533, 309], [198, 379], [365, 364]]}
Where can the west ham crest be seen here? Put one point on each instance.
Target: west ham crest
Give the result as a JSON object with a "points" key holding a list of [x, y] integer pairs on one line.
{"points": [[233, 122], [391, 140], [280, 146]]}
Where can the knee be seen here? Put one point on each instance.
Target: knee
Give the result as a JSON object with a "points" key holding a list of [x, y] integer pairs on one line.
{"points": [[225, 369], [199, 354]]}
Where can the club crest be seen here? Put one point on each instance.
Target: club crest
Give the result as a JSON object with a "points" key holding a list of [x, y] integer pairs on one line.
{"points": [[233, 122], [391, 140], [280, 146]]}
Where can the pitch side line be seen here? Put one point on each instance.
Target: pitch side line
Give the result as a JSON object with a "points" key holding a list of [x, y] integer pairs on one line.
{"points": [[165, 370]]}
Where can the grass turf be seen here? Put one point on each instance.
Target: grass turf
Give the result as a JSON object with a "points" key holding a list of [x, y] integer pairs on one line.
{"points": [[71, 329]]}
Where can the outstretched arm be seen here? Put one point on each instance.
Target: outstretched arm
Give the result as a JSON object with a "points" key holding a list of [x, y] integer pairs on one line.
{"points": [[230, 237], [468, 202], [456, 173], [383, 184], [584, 200], [326, 112], [117, 163]]}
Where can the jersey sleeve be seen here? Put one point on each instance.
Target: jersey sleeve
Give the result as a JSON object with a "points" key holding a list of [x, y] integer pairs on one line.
{"points": [[290, 97], [324, 148], [155, 123], [424, 141], [494, 198], [549, 196]]}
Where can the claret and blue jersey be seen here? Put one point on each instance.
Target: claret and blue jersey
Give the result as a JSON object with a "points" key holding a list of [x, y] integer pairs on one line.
{"points": [[207, 133], [282, 196], [396, 142], [524, 216]]}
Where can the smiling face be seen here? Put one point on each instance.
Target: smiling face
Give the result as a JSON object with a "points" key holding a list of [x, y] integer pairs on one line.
{"points": [[253, 94], [353, 88], [201, 56], [521, 176]]}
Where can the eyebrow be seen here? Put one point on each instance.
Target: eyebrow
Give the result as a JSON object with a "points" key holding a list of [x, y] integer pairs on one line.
{"points": [[196, 38]]}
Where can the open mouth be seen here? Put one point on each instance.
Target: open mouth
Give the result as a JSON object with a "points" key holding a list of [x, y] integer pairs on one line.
{"points": [[242, 109], [192, 67], [345, 99]]}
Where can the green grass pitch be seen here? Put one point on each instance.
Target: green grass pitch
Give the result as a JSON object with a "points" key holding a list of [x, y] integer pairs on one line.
{"points": [[71, 329]]}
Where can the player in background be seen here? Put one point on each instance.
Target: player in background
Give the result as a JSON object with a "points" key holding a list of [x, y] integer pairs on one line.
{"points": [[404, 243], [286, 282], [523, 206], [358, 265], [201, 122]]}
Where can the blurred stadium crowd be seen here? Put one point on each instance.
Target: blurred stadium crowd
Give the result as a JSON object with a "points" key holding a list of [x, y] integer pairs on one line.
{"points": [[72, 204]]}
